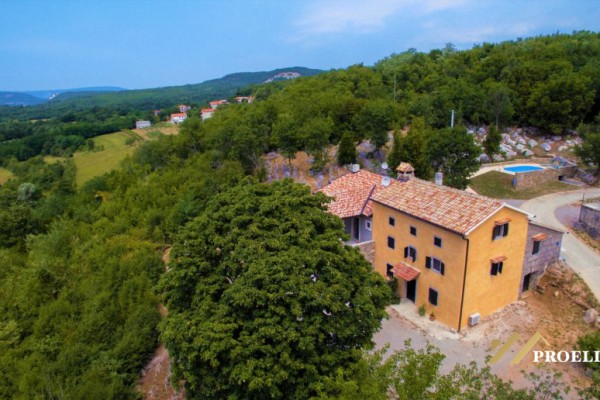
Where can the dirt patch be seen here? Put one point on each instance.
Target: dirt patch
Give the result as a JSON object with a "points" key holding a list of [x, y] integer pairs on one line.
{"points": [[156, 131], [155, 383], [557, 314]]}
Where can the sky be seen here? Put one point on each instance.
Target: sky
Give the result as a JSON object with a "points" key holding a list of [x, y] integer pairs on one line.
{"points": [[60, 44]]}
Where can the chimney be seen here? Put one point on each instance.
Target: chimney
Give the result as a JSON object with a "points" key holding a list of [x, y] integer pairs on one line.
{"points": [[405, 171], [439, 177]]}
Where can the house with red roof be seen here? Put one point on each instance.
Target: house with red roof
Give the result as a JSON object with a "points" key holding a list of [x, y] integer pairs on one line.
{"points": [[459, 255], [217, 103], [207, 113], [352, 201], [178, 118]]}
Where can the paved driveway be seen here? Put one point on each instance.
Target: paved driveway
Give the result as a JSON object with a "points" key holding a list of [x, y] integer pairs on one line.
{"points": [[584, 260]]}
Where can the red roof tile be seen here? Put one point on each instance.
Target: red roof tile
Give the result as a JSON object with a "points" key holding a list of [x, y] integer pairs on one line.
{"points": [[352, 192], [453, 209], [405, 271], [178, 115]]}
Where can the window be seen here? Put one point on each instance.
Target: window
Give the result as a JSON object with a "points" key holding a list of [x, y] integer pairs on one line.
{"points": [[391, 242], [413, 231], [500, 231], [434, 264], [437, 241], [389, 268], [368, 224], [392, 221], [410, 252], [536, 247], [433, 296], [496, 268]]}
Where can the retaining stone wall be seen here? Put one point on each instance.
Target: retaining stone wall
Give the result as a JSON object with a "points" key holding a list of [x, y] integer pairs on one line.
{"points": [[525, 180]]}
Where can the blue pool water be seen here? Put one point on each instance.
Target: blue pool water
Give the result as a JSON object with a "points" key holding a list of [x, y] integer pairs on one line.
{"points": [[523, 168]]}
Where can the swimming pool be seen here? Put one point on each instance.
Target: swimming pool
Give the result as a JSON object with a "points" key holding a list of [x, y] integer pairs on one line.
{"points": [[522, 168]]}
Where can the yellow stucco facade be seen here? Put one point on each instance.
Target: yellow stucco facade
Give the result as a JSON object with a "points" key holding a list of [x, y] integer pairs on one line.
{"points": [[484, 293]]}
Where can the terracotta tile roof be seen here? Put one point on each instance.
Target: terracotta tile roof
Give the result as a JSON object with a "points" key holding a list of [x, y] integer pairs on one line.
{"points": [[449, 208], [208, 110], [405, 271], [178, 115], [352, 192], [539, 237]]}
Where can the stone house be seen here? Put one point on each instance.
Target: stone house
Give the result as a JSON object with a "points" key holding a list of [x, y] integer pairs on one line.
{"points": [[460, 255]]}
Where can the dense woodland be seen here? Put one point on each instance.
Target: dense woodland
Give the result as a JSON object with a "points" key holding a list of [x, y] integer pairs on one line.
{"points": [[81, 274]]}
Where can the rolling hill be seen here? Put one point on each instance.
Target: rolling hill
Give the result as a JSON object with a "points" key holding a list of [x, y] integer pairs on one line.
{"points": [[47, 101]]}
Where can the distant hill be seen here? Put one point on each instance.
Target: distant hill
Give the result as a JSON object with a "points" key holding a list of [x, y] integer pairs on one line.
{"points": [[50, 94], [34, 97], [148, 99], [19, 99]]}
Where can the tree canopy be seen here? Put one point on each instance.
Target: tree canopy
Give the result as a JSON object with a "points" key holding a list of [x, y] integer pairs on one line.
{"points": [[264, 299]]}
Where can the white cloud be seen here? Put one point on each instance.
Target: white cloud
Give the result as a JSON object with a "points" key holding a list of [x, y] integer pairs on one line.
{"points": [[363, 16]]}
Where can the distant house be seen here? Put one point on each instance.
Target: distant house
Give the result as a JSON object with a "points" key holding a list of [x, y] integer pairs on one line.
{"points": [[217, 103], [244, 99], [142, 124], [207, 113], [184, 108], [178, 118], [156, 112]]}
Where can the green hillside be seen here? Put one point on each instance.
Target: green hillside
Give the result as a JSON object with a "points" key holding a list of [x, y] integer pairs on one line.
{"points": [[148, 99], [114, 148], [18, 99]]}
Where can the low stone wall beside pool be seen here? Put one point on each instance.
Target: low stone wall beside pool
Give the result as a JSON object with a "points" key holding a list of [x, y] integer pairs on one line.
{"points": [[524, 180]]}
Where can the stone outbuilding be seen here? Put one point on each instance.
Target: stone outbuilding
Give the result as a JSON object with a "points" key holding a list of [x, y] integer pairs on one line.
{"points": [[589, 218], [541, 250]]}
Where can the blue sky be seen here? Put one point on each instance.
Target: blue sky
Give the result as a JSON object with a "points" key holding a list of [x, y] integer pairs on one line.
{"points": [[140, 44]]}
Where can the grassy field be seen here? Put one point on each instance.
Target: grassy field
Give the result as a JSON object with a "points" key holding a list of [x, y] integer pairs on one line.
{"points": [[499, 185], [114, 149], [5, 175]]}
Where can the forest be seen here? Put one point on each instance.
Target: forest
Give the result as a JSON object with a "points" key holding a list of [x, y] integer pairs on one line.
{"points": [[81, 275]]}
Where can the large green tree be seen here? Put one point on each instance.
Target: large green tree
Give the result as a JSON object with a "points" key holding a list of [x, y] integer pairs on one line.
{"points": [[264, 299], [491, 143], [589, 150], [412, 374], [346, 151], [454, 152]]}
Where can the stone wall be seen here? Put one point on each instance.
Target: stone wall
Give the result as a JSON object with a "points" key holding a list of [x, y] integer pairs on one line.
{"points": [[525, 180], [549, 252], [367, 249], [589, 218]]}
